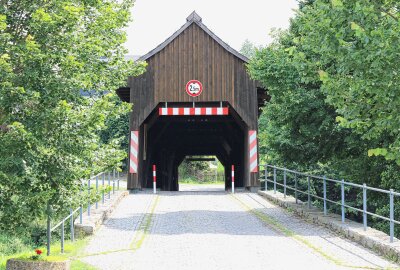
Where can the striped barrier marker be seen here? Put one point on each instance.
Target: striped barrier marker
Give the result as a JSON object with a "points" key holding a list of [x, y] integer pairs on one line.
{"points": [[233, 178], [154, 180], [133, 157], [253, 151], [193, 111]]}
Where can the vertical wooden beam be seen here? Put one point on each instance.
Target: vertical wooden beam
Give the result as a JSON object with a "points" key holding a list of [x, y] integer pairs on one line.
{"points": [[246, 167]]}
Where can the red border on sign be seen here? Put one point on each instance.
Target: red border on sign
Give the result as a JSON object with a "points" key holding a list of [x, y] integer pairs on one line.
{"points": [[194, 81]]}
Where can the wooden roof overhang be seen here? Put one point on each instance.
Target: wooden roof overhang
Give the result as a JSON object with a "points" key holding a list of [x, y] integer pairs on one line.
{"points": [[262, 96]]}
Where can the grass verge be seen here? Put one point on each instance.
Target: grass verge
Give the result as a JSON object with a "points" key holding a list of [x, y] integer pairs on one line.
{"points": [[71, 250]]}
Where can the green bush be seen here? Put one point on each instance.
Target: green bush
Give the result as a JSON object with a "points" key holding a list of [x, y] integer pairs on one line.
{"points": [[12, 244]]}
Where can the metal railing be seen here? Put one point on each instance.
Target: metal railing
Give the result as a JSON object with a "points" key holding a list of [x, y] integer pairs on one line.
{"points": [[270, 170], [101, 177]]}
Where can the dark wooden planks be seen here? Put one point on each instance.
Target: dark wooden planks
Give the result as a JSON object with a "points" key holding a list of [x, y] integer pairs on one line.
{"points": [[195, 55]]}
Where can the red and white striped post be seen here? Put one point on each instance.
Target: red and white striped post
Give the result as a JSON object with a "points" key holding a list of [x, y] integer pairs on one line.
{"points": [[133, 162], [233, 178], [253, 151], [154, 180]]}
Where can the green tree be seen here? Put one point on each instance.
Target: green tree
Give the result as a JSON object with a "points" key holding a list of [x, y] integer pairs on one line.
{"points": [[304, 73], [49, 135], [248, 49], [297, 127], [357, 44], [118, 130]]}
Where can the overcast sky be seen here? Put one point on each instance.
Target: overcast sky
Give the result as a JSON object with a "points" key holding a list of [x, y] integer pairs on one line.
{"points": [[233, 21]]}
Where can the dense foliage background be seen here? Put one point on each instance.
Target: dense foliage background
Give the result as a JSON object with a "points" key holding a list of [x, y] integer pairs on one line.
{"points": [[333, 78], [199, 172], [52, 136]]}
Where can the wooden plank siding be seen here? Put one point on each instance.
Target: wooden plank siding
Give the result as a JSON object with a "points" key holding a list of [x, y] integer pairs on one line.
{"points": [[194, 55]]}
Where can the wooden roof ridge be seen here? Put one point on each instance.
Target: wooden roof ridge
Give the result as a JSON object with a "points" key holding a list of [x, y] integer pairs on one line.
{"points": [[194, 18]]}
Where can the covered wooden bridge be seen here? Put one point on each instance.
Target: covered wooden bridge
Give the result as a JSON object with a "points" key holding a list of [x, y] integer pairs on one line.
{"points": [[194, 99]]}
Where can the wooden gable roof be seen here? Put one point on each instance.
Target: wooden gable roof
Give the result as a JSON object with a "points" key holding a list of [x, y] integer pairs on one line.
{"points": [[232, 65], [193, 18]]}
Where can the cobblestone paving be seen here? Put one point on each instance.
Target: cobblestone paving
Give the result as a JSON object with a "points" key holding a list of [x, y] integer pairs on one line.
{"points": [[118, 231], [215, 230]]}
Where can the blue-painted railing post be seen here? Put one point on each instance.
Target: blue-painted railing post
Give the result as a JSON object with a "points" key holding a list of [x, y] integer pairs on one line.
{"points": [[118, 180], [284, 183], [364, 187], [72, 225], [104, 176], [266, 177], [113, 180], [274, 180], [365, 206], [48, 228], [114, 186], [97, 190], [109, 185], [295, 186], [308, 192], [342, 192], [324, 186], [88, 208], [80, 214], [62, 237], [391, 206]]}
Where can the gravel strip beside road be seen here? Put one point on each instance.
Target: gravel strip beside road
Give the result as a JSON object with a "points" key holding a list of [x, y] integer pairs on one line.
{"points": [[213, 230], [342, 250], [118, 231]]}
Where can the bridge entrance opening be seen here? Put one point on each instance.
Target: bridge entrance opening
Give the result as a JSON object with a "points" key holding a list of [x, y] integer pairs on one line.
{"points": [[169, 139], [201, 173], [195, 99]]}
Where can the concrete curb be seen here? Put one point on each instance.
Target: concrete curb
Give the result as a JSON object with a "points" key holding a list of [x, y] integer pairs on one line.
{"points": [[16, 264], [98, 216], [371, 238]]}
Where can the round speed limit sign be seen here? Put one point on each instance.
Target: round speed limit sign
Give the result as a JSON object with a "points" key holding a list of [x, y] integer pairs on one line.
{"points": [[194, 88]]}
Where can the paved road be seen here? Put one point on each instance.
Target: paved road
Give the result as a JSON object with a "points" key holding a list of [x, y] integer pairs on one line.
{"points": [[212, 229]]}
